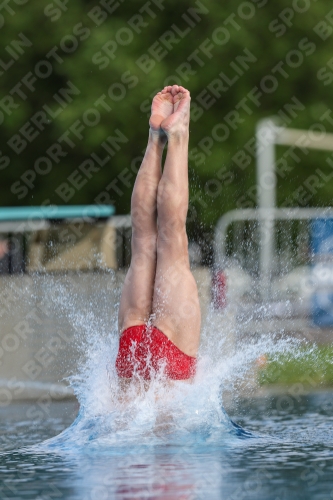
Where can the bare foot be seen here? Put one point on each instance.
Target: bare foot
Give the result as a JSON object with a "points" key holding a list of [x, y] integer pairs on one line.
{"points": [[162, 107], [178, 121]]}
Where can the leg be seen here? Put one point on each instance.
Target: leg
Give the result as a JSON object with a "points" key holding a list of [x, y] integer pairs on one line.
{"points": [[136, 301], [176, 309]]}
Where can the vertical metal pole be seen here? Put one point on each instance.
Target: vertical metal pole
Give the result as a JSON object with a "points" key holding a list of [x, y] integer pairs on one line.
{"points": [[266, 193]]}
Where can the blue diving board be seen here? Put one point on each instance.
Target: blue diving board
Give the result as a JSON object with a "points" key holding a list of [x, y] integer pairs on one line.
{"points": [[56, 212]]}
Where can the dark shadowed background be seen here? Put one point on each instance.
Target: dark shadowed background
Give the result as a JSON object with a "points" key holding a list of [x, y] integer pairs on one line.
{"points": [[77, 78]]}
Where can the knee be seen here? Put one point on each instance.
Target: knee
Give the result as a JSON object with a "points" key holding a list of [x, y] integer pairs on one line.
{"points": [[143, 246], [144, 220], [172, 205], [143, 201], [143, 212], [172, 245]]}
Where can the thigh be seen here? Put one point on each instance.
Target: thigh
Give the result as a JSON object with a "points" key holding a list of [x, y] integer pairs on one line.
{"points": [[136, 300], [176, 308]]}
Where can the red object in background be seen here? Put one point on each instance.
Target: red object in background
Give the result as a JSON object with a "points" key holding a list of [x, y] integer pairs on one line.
{"points": [[219, 289], [4, 248]]}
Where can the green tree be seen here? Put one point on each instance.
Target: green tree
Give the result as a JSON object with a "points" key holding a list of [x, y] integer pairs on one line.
{"points": [[113, 59]]}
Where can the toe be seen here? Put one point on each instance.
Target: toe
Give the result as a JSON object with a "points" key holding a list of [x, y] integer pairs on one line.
{"points": [[178, 96], [175, 89]]}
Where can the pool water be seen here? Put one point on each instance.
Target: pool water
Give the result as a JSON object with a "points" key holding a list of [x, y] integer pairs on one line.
{"points": [[168, 440], [288, 455]]}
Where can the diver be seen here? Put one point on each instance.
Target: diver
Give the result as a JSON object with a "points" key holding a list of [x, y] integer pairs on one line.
{"points": [[159, 312]]}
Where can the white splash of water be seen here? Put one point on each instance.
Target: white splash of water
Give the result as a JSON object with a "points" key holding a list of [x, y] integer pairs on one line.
{"points": [[175, 412]]}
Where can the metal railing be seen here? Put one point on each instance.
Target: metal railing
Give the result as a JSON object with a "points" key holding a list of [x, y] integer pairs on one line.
{"points": [[76, 240], [269, 134], [241, 235]]}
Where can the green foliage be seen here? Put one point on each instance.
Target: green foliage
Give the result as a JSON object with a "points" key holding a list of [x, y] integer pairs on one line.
{"points": [[220, 34]]}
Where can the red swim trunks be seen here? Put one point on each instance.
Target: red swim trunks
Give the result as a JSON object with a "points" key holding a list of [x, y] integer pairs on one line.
{"points": [[145, 349]]}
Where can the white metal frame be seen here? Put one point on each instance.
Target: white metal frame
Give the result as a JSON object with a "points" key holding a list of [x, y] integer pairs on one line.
{"points": [[265, 216], [268, 135]]}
